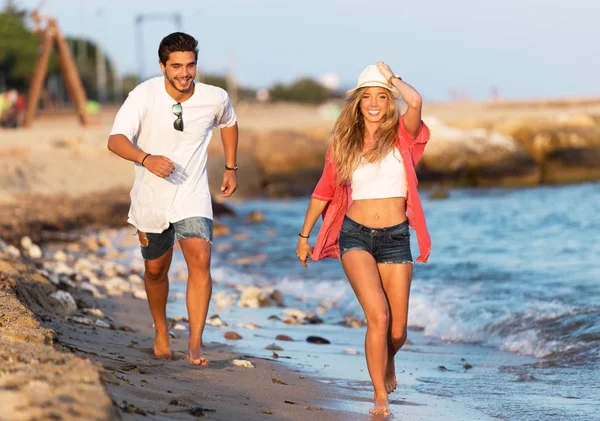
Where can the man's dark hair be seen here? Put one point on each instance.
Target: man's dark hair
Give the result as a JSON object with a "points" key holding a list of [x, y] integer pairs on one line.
{"points": [[177, 41]]}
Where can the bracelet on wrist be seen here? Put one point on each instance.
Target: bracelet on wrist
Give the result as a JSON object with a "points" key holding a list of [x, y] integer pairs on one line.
{"points": [[234, 168], [303, 236], [147, 155]]}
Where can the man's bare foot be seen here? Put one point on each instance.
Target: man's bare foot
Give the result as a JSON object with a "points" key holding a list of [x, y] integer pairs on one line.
{"points": [[390, 377], [162, 348], [195, 355], [381, 406]]}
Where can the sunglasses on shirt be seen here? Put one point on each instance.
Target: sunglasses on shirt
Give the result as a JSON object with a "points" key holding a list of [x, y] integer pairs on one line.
{"points": [[178, 111]]}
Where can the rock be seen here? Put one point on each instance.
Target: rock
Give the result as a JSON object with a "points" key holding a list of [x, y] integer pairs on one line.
{"points": [[317, 340], [140, 294], [254, 297], [277, 298], [216, 321], [283, 338], [35, 252], [66, 304], [296, 316], [60, 255], [102, 323], [93, 312], [197, 411], [255, 217], [242, 363], [274, 318], [13, 252], [86, 286], [81, 320], [134, 278], [351, 321], [26, 243], [223, 299], [273, 347], [234, 336], [250, 326]]}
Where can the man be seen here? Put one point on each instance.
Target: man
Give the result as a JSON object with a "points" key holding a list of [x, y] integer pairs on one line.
{"points": [[164, 127]]}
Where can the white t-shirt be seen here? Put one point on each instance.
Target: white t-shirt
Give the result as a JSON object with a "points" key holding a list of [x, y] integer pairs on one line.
{"points": [[146, 118]]}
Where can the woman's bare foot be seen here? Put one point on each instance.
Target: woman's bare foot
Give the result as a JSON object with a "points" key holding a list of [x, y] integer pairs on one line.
{"points": [[390, 377], [381, 406], [162, 349], [195, 355]]}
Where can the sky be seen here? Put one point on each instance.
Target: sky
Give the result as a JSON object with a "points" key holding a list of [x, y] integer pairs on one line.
{"points": [[523, 48]]}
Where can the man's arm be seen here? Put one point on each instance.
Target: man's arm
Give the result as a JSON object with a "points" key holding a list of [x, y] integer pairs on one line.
{"points": [[157, 165], [229, 136]]}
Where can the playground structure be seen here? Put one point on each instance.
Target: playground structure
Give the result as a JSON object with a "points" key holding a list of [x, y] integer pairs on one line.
{"points": [[51, 36]]}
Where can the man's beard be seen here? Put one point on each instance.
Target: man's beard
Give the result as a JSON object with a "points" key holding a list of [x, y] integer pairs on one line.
{"points": [[172, 82]]}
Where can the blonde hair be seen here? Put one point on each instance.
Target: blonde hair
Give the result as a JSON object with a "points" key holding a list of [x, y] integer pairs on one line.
{"points": [[348, 136]]}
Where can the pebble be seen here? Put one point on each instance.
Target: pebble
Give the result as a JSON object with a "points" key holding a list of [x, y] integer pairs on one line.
{"points": [[81, 320], [12, 251], [96, 312], [102, 323], [242, 363], [66, 301], [317, 340], [216, 321], [283, 338], [273, 347], [234, 336]]}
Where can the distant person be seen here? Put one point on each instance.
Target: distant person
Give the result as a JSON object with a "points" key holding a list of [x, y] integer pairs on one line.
{"points": [[368, 187], [164, 127]]}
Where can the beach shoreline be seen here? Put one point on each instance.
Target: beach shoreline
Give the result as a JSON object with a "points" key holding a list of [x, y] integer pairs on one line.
{"points": [[111, 338]]}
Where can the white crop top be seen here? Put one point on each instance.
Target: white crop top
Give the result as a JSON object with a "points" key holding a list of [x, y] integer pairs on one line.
{"points": [[380, 180]]}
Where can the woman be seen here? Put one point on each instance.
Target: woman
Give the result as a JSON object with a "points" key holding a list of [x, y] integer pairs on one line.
{"points": [[367, 189]]}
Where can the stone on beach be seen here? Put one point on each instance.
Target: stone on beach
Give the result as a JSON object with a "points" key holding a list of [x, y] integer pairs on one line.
{"points": [[102, 323], [273, 347], [242, 363], [216, 321], [256, 297], [234, 336], [81, 320], [296, 316], [283, 338], [66, 302], [317, 340], [96, 312]]}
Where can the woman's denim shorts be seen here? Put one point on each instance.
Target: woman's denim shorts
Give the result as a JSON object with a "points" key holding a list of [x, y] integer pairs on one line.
{"points": [[386, 245]]}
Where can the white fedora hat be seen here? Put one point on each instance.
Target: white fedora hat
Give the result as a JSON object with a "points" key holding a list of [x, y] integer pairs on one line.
{"points": [[372, 76]]}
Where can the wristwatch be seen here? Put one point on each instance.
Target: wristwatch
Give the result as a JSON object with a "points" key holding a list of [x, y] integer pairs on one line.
{"points": [[394, 76]]}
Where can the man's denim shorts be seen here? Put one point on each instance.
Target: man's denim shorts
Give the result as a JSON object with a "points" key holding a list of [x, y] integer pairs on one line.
{"points": [[159, 244], [386, 245]]}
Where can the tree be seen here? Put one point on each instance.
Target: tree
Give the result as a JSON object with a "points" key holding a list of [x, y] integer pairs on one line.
{"points": [[303, 90]]}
